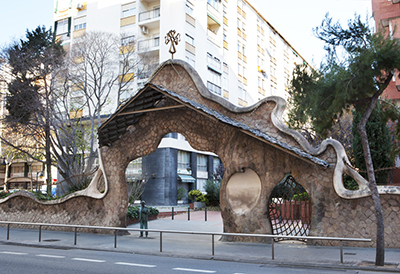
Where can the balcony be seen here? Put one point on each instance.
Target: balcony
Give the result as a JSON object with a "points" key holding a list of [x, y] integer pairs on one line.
{"points": [[147, 45], [150, 18], [213, 88]]}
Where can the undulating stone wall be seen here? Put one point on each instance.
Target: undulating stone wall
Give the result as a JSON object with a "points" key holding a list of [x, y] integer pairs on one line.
{"points": [[239, 152]]}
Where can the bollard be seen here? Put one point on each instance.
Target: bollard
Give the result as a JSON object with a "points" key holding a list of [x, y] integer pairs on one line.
{"points": [[212, 245], [272, 249], [115, 238], [76, 235], [172, 213], [40, 233], [188, 213], [8, 231], [205, 214]]}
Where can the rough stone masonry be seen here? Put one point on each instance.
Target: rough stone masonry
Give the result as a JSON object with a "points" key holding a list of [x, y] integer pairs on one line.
{"points": [[257, 151]]}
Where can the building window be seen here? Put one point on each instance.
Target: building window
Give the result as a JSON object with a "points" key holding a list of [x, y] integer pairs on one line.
{"points": [[80, 26], [128, 10], [189, 39], [214, 81], [213, 62], [214, 3], [17, 169], [225, 82], [129, 40], [200, 184], [62, 26], [201, 162], [190, 58], [183, 160], [189, 8], [241, 93]]}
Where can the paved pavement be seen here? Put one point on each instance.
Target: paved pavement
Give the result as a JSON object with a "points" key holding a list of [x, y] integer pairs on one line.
{"points": [[200, 246]]}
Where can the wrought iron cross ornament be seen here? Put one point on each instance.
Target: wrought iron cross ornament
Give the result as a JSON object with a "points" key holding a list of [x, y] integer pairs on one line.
{"points": [[174, 38]]}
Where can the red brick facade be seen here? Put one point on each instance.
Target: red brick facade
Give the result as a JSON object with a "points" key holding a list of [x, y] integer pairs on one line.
{"points": [[387, 14]]}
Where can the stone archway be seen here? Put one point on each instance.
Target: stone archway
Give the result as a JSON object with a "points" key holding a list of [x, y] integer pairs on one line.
{"points": [[289, 209], [253, 151], [251, 140]]}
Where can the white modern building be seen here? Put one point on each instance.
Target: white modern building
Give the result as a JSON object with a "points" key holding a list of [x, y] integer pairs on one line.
{"points": [[239, 55]]}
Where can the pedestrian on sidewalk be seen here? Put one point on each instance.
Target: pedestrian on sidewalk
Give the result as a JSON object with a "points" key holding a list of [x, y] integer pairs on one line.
{"points": [[144, 212]]}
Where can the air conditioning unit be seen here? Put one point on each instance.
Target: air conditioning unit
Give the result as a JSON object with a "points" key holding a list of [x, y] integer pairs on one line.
{"points": [[79, 6], [145, 30]]}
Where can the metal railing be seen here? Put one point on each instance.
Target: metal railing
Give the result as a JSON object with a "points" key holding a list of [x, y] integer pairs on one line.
{"points": [[149, 43], [150, 14], [212, 234]]}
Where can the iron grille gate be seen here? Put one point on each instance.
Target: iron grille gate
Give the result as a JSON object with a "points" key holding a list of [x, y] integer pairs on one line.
{"points": [[289, 209]]}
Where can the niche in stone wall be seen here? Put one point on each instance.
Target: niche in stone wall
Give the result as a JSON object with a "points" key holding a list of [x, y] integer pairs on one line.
{"points": [[243, 191]]}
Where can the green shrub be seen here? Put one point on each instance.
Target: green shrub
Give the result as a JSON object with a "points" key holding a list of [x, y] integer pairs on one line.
{"points": [[134, 212], [212, 188], [181, 193], [194, 195]]}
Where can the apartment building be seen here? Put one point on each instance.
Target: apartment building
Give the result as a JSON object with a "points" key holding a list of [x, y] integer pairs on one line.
{"points": [[15, 173], [387, 15], [239, 55]]}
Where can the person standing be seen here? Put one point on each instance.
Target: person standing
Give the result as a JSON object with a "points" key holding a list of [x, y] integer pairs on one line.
{"points": [[144, 212]]}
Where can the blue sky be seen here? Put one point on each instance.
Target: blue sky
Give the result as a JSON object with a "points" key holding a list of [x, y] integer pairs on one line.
{"points": [[294, 19]]}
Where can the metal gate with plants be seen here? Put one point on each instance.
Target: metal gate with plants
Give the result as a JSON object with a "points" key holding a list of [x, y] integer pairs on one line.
{"points": [[289, 209]]}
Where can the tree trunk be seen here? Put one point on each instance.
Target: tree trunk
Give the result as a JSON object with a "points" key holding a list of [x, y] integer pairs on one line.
{"points": [[48, 156], [380, 231]]}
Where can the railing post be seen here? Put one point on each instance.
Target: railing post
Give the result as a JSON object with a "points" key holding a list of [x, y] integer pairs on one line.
{"points": [[188, 213], [341, 251], [8, 231], [160, 241], [212, 245], [272, 249], [75, 236], [40, 233], [115, 238], [205, 214], [172, 213]]}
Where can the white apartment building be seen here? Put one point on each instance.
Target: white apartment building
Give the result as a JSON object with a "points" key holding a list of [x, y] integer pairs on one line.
{"points": [[237, 53]]}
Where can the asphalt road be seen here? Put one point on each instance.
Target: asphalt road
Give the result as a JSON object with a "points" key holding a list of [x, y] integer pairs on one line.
{"points": [[22, 259]]}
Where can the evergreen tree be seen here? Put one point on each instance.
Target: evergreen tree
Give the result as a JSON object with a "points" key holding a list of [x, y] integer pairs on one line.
{"points": [[380, 144], [357, 69], [34, 61]]}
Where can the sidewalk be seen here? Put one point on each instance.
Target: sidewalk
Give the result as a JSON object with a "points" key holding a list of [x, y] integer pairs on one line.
{"points": [[199, 246]]}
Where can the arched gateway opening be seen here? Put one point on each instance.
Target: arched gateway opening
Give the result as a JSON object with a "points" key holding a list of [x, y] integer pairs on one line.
{"points": [[167, 175], [289, 209]]}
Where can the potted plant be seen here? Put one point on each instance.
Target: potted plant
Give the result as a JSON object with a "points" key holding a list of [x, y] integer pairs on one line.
{"points": [[199, 199]]}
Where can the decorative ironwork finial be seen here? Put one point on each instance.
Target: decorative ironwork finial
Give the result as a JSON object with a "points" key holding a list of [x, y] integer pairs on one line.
{"points": [[173, 37]]}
